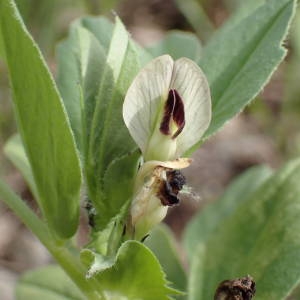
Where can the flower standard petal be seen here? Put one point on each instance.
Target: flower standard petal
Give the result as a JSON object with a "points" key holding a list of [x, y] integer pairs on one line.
{"points": [[192, 86], [167, 108], [144, 99]]}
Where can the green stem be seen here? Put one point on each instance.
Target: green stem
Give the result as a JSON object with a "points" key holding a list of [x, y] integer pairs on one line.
{"points": [[68, 261], [14, 202], [74, 268]]}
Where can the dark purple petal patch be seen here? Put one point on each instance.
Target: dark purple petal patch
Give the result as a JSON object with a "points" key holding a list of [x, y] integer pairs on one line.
{"points": [[173, 111]]}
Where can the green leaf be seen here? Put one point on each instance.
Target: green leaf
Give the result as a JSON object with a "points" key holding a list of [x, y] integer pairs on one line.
{"points": [[242, 9], [2, 51], [136, 274], [109, 137], [81, 61], [95, 262], [43, 125], [162, 243], [291, 105], [209, 221], [295, 32], [93, 96], [239, 60], [197, 17], [15, 151], [118, 185], [101, 27], [47, 283], [143, 54], [68, 80], [261, 238], [172, 44]]}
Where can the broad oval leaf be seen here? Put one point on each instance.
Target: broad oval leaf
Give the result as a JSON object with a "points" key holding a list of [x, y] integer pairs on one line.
{"points": [[210, 219], [43, 125], [136, 274], [149, 91], [261, 238], [242, 55]]}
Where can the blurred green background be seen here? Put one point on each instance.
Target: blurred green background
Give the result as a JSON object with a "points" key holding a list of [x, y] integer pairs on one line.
{"points": [[267, 132]]}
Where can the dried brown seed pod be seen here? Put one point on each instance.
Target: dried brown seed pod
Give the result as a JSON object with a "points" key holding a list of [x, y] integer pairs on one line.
{"points": [[236, 289]]}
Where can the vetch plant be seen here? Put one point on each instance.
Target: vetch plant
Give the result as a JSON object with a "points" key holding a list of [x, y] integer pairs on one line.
{"points": [[75, 150]]}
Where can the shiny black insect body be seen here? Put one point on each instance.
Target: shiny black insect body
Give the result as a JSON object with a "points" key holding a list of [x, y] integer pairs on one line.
{"points": [[168, 192]]}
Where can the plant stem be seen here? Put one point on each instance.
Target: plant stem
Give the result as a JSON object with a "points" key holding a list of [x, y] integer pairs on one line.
{"points": [[68, 261], [76, 271], [14, 202]]}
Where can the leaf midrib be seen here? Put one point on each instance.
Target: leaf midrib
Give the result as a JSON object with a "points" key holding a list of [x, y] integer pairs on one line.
{"points": [[253, 49]]}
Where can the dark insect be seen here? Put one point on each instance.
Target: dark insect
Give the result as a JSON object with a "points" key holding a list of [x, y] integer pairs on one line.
{"points": [[169, 189], [236, 289]]}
